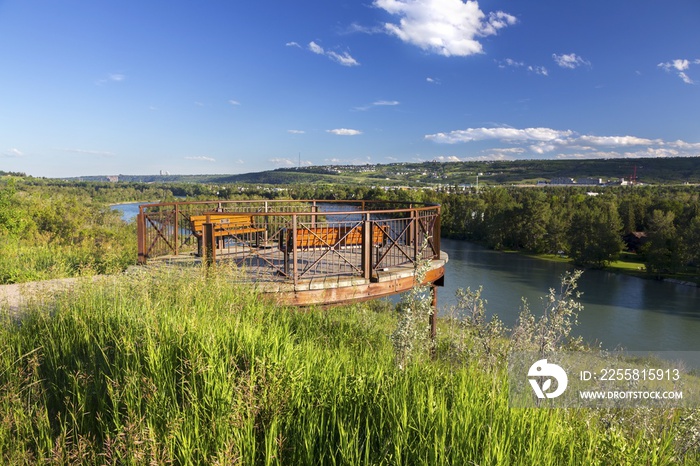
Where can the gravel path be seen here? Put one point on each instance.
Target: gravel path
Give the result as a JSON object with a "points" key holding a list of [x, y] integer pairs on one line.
{"points": [[17, 295]]}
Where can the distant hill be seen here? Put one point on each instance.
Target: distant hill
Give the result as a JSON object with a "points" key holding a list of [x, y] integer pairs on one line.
{"points": [[647, 170]]}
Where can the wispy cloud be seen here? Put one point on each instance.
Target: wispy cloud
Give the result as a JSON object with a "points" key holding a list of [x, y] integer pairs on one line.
{"points": [[292, 44], [432, 80], [98, 153], [296, 131], [344, 132], [447, 158], [201, 158], [445, 27], [280, 162], [111, 78], [12, 152], [501, 133], [234, 102], [680, 66], [570, 60], [285, 162], [510, 63], [379, 103], [565, 143], [342, 58]]}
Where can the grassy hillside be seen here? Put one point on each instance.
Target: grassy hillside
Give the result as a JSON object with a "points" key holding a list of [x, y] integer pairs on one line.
{"points": [[150, 369], [648, 170]]}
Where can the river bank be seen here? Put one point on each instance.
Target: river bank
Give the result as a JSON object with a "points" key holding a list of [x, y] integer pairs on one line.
{"points": [[630, 264]]}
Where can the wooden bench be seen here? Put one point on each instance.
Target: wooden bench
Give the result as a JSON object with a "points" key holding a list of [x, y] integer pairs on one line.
{"points": [[327, 237], [224, 225]]}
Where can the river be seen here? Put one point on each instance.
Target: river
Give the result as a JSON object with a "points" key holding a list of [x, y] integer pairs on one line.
{"points": [[619, 310]]}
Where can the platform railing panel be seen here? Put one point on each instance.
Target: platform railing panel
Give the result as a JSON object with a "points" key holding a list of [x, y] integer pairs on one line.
{"points": [[292, 240]]}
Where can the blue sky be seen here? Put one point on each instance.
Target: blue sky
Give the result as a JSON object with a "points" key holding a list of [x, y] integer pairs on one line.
{"points": [[223, 86]]}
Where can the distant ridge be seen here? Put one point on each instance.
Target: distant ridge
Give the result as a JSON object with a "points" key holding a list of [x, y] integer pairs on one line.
{"points": [[647, 170]]}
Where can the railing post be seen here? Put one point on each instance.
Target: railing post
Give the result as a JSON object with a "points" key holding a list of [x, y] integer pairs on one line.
{"points": [[436, 234], [177, 229], [209, 244], [413, 234], [141, 235], [367, 247], [294, 248], [433, 318]]}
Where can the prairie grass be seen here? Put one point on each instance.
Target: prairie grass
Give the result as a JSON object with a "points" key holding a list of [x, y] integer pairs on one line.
{"points": [[177, 367]]}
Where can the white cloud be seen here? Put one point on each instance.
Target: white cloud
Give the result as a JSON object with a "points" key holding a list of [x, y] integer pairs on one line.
{"points": [[344, 132], [382, 103], [510, 63], [282, 162], [506, 134], [292, 44], [445, 27], [296, 131], [432, 80], [616, 141], [201, 158], [12, 152], [89, 152], [315, 48], [570, 60], [379, 103], [449, 158], [234, 102], [111, 78], [343, 58], [566, 143], [680, 66]]}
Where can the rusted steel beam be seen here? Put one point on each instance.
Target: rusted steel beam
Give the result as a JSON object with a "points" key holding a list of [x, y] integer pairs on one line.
{"points": [[141, 236]]}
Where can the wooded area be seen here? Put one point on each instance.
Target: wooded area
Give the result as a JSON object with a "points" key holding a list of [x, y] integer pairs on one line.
{"points": [[55, 228]]}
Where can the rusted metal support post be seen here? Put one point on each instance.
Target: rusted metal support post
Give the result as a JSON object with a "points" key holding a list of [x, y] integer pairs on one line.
{"points": [[141, 236], [436, 234], [176, 231], [367, 247], [209, 243], [294, 248], [433, 319], [413, 232]]}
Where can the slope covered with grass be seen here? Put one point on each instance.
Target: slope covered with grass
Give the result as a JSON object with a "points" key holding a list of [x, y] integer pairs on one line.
{"points": [[174, 367]]}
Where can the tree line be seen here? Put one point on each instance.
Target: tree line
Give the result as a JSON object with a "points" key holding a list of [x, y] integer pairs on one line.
{"points": [[588, 227], [73, 217]]}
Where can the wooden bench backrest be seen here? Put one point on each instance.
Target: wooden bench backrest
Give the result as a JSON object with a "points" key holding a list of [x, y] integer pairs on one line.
{"points": [[222, 221], [319, 237]]}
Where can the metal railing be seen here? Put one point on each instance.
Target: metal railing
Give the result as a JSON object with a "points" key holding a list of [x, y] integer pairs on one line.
{"points": [[292, 240]]}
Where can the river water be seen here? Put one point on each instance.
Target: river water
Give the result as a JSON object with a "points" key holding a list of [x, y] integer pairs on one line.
{"points": [[619, 311]]}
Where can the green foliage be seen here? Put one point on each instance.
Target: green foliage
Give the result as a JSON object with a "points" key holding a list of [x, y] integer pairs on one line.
{"points": [[410, 337], [552, 330], [53, 232], [12, 219], [595, 234]]}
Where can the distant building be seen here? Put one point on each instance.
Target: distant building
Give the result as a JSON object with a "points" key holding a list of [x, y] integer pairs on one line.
{"points": [[113, 179], [562, 181], [635, 240], [589, 181]]}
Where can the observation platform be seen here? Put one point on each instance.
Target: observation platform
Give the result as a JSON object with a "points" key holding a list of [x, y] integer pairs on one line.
{"points": [[307, 252]]}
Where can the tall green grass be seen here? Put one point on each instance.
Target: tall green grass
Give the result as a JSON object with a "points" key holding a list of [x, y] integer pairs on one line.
{"points": [[174, 367]]}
